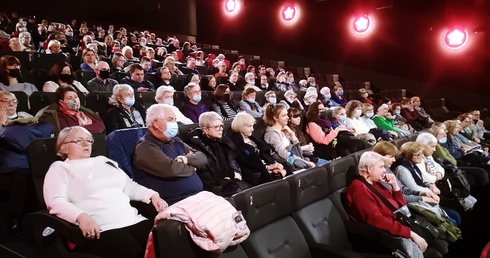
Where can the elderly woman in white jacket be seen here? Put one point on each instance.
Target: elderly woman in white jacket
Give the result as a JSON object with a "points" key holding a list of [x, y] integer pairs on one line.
{"points": [[94, 194]]}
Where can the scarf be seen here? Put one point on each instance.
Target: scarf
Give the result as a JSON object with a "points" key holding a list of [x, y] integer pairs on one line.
{"points": [[82, 118]]}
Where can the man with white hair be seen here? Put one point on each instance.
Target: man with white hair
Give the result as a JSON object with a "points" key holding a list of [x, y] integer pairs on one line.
{"points": [[102, 82], [163, 162], [250, 80], [325, 96], [165, 95]]}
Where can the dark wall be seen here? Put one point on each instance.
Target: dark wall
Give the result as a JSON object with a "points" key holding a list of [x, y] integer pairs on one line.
{"points": [[406, 42], [162, 15]]}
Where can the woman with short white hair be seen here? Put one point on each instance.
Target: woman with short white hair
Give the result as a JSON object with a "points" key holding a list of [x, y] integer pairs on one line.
{"points": [[124, 112], [165, 95]]}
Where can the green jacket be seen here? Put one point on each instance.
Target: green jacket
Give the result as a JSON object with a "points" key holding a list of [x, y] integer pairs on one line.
{"points": [[444, 153], [447, 230], [388, 124]]}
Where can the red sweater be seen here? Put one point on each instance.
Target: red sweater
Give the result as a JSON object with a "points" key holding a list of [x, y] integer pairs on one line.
{"points": [[365, 206]]}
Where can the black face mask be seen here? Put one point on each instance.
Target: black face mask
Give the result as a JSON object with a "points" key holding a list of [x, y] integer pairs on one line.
{"points": [[104, 74], [65, 77], [14, 73], [62, 41], [227, 97]]}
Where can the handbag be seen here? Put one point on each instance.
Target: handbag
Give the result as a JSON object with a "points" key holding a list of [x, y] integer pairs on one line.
{"points": [[417, 223]]}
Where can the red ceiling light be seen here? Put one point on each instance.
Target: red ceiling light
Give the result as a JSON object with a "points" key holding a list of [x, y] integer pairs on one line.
{"points": [[362, 24], [289, 12], [456, 38], [230, 5]]}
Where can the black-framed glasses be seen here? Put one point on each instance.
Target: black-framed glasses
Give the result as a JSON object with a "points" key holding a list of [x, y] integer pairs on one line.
{"points": [[80, 141]]}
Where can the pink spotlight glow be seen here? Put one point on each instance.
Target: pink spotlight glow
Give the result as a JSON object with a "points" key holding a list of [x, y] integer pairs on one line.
{"points": [[362, 24], [456, 38], [230, 5], [289, 12]]}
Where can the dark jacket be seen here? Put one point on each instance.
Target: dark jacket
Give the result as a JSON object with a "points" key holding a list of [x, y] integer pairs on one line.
{"points": [[214, 178], [116, 118], [251, 162]]}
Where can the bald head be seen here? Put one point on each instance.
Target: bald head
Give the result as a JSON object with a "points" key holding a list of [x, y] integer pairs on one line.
{"points": [[102, 69]]}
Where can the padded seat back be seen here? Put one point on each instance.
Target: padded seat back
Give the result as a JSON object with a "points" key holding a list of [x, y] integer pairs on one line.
{"points": [[121, 144], [23, 101], [273, 232], [40, 100], [39, 77], [400, 141], [145, 98], [98, 102], [46, 61], [340, 172]]}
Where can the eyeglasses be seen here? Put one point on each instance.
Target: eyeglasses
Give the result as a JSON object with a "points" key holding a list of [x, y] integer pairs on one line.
{"points": [[12, 101], [217, 127], [80, 141]]}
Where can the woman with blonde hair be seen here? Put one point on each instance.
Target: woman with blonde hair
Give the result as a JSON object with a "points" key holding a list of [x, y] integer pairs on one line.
{"points": [[281, 138], [254, 156]]}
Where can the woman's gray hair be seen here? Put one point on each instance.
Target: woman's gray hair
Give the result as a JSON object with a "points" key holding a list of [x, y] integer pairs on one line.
{"points": [[269, 93], [161, 90], [189, 87], [426, 139], [117, 92], [368, 159], [155, 112], [206, 118], [64, 134]]}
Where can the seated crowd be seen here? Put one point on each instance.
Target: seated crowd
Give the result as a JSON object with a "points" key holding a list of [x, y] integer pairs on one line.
{"points": [[290, 127]]}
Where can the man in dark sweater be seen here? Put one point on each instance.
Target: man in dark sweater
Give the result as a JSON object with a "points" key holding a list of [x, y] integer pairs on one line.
{"points": [[137, 79]]}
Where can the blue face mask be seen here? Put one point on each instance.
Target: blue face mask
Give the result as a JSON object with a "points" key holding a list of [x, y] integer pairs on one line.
{"points": [[196, 98], [129, 101], [398, 112], [172, 130], [251, 100], [343, 118], [442, 140], [327, 96], [272, 101], [358, 113], [168, 102], [340, 93], [370, 114]]}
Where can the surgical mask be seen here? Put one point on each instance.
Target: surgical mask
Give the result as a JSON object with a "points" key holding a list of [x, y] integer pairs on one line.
{"points": [[143, 43], [251, 100], [251, 82], [358, 113], [272, 73], [14, 73], [291, 80], [168, 102], [272, 101], [196, 98], [69, 34], [442, 140], [172, 130], [22, 29], [370, 114], [104, 74], [327, 96], [343, 118], [129, 101], [74, 104], [65, 77], [365, 95], [340, 93], [398, 112]]}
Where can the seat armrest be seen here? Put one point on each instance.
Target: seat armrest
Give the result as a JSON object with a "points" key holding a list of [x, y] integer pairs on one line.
{"points": [[68, 231], [364, 238]]}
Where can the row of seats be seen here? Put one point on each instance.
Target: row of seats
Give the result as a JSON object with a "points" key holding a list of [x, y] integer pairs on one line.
{"points": [[300, 216]]}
